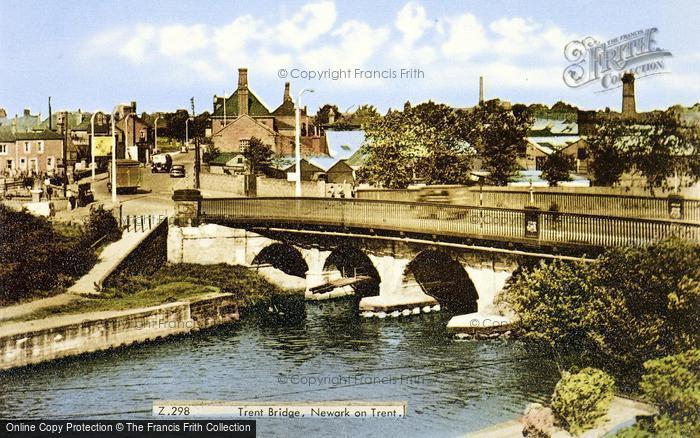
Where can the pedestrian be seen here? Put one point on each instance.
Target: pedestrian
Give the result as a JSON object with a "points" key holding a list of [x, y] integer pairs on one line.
{"points": [[49, 192], [71, 199]]}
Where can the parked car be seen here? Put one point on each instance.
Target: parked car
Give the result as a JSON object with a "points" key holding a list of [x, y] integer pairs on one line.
{"points": [[177, 171]]}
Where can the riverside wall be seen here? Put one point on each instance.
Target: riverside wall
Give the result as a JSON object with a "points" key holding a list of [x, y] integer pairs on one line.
{"points": [[33, 342]]}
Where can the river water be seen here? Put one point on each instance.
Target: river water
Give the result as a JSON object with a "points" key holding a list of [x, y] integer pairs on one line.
{"points": [[451, 387]]}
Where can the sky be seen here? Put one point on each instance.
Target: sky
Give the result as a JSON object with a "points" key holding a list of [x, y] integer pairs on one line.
{"points": [[95, 55]]}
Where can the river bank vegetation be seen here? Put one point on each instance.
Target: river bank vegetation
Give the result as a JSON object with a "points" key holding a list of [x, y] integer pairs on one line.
{"points": [[170, 283], [632, 314], [39, 258]]}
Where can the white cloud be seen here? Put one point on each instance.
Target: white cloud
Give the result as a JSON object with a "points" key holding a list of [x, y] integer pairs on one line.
{"points": [[412, 21], [135, 47], [180, 40], [312, 21], [353, 45], [465, 37]]}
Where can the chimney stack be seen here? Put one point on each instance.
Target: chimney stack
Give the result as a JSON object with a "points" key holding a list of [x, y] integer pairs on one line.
{"points": [[481, 89], [628, 102], [242, 91], [287, 96], [27, 111], [133, 106]]}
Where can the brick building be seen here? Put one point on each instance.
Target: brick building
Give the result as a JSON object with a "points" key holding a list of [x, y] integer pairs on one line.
{"points": [[242, 115], [28, 153]]}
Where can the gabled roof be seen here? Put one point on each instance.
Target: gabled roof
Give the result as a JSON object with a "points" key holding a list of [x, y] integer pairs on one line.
{"points": [[8, 136], [244, 117], [224, 158], [306, 167], [341, 145], [340, 166], [255, 106], [285, 109]]}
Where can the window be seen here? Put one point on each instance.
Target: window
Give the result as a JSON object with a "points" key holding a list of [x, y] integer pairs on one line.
{"points": [[243, 144], [10, 165], [582, 153], [539, 162], [3, 149], [27, 147], [239, 160], [40, 146], [49, 163]]}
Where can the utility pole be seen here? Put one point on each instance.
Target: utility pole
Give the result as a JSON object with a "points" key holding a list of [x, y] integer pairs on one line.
{"points": [[50, 121], [64, 128], [196, 147]]}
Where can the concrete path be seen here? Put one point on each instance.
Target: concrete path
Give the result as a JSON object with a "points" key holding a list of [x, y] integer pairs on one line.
{"points": [[112, 255]]}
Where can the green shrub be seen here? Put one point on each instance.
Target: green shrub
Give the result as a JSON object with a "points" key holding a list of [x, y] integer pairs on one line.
{"points": [[35, 259], [101, 224], [582, 399], [673, 384], [634, 304]]}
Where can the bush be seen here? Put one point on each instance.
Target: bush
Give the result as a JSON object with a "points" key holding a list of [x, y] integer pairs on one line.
{"points": [[35, 258], [101, 223], [582, 399], [635, 304], [673, 384]]}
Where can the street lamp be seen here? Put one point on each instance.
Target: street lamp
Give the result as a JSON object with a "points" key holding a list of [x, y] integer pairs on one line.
{"points": [[187, 131], [92, 142], [297, 144], [114, 156], [155, 125]]}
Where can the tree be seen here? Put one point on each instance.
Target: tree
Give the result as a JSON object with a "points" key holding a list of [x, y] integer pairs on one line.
{"points": [[609, 154], [364, 116], [258, 154], [557, 167], [321, 117], [634, 304], [499, 137], [417, 142]]}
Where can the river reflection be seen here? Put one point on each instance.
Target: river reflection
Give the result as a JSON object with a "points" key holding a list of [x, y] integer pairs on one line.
{"points": [[451, 387]]}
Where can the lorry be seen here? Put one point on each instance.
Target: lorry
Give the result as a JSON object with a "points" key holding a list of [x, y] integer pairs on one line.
{"points": [[128, 176]]}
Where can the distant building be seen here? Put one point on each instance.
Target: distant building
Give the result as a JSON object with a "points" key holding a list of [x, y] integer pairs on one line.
{"points": [[309, 172], [25, 122], [233, 163], [31, 153], [341, 173], [242, 115]]}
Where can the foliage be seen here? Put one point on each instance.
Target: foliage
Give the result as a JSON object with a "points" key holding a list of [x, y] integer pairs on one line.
{"points": [[634, 304], [364, 116], [499, 137], [34, 258], [258, 154], [557, 167], [552, 302], [321, 117], [415, 143], [609, 156], [245, 284], [673, 384], [101, 224], [659, 147], [211, 153], [582, 399]]}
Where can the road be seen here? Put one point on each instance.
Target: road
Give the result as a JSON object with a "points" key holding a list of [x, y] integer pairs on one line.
{"points": [[156, 191]]}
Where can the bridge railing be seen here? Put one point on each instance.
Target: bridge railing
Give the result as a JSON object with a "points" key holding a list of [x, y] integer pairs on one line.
{"points": [[477, 222]]}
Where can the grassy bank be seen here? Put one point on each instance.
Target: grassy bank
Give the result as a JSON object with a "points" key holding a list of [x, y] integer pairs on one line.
{"points": [[178, 282]]}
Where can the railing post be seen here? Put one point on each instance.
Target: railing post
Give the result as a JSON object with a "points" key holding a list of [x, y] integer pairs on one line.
{"points": [[188, 204], [675, 206], [532, 222]]}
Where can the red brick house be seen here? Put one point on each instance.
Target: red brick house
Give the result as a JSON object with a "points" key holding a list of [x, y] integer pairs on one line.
{"points": [[27, 153], [242, 115]]}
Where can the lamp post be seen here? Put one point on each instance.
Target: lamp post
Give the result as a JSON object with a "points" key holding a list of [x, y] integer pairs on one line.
{"points": [[155, 125], [187, 131], [92, 142], [297, 142], [114, 157]]}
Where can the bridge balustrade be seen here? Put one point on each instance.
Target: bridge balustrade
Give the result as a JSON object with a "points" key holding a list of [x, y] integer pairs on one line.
{"points": [[476, 222]]}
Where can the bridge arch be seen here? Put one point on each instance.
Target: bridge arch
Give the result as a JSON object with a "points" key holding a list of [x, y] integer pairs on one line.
{"points": [[444, 279], [351, 261], [284, 257]]}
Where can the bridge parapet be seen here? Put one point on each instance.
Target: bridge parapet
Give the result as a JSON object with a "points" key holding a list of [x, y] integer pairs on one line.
{"points": [[188, 203]]}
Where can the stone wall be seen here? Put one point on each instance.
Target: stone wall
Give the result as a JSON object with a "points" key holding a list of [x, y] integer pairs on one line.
{"points": [[69, 335]]}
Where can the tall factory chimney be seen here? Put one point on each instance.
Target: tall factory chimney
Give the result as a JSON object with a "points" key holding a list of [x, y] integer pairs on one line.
{"points": [[629, 108], [242, 91]]}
